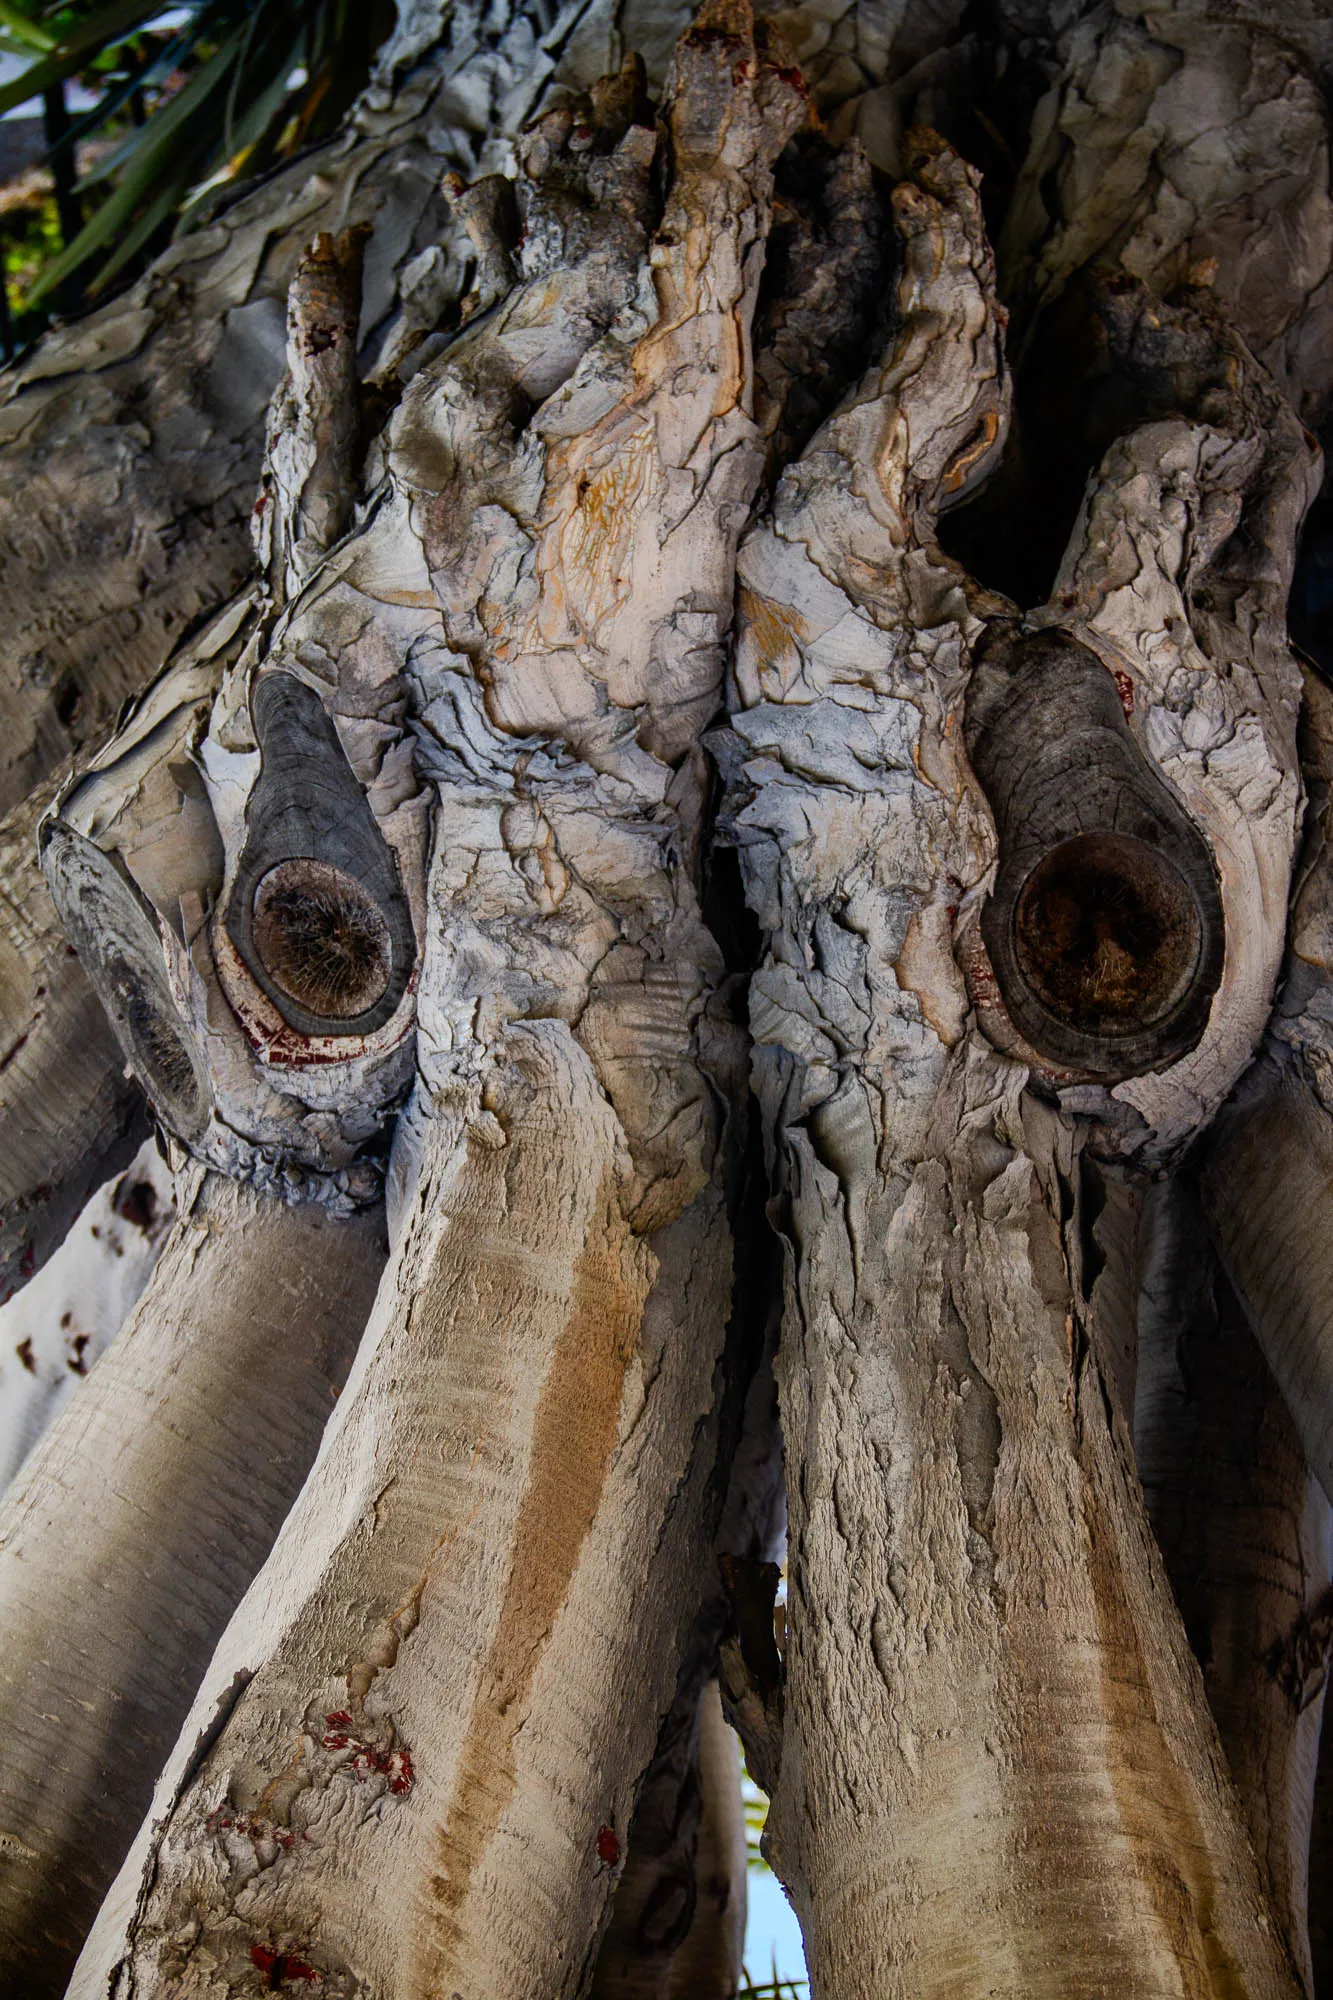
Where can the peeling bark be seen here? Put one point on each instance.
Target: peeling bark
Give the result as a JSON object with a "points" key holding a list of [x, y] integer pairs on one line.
{"points": [[136, 1525], [980, 1630], [1268, 1160], [518, 1494], [131, 439], [401, 877], [1246, 1535]]}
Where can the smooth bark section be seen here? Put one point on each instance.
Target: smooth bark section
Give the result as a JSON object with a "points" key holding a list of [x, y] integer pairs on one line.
{"points": [[494, 1548], [677, 1923], [709, 1963], [1265, 1187], [1245, 1533], [135, 1528], [1040, 1800], [69, 1113]]}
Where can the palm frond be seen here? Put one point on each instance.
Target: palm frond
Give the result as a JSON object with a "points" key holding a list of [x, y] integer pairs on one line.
{"points": [[188, 110]]}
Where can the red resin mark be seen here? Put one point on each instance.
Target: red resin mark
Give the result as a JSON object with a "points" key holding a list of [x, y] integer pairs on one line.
{"points": [[281, 1967], [608, 1847], [252, 1828], [366, 1761], [1125, 689]]}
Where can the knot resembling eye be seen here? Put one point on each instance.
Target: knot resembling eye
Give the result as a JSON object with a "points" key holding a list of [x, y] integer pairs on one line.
{"points": [[317, 912], [1107, 934], [1105, 927], [322, 940]]}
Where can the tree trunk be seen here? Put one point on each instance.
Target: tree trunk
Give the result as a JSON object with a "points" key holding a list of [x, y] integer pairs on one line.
{"points": [[1269, 1158], [412, 875], [1247, 1537], [135, 1527], [980, 1629], [71, 1112]]}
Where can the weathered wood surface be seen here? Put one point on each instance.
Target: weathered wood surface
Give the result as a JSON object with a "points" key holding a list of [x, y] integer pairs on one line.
{"points": [[512, 1520], [994, 1735], [1268, 1160], [135, 1527], [995, 1763], [1246, 1534], [71, 1115]]}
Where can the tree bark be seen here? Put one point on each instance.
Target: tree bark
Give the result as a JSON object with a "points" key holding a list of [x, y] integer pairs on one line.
{"points": [[562, 1273], [709, 1963], [131, 439], [1247, 1537], [1020, 866], [135, 1527], [71, 1113], [1268, 1159], [980, 1630]]}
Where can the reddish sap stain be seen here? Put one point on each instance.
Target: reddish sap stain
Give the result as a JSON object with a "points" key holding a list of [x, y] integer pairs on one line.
{"points": [[608, 1847], [281, 1966]]}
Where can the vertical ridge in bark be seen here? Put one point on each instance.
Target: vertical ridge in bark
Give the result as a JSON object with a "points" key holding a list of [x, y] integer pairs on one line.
{"points": [[1246, 1534]]}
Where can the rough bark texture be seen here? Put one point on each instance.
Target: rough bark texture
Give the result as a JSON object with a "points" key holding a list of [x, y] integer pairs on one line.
{"points": [[1246, 1534], [132, 439], [412, 845], [135, 1527], [71, 1114], [1269, 1158], [517, 1498], [980, 1631]]}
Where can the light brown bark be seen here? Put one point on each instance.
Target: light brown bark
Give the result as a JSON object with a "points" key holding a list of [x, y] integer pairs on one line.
{"points": [[70, 1113], [135, 1527], [511, 1521], [1246, 1534], [997, 1766]]}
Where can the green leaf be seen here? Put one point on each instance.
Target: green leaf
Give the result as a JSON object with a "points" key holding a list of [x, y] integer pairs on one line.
{"points": [[30, 33], [151, 139], [153, 216], [107, 25], [155, 153]]}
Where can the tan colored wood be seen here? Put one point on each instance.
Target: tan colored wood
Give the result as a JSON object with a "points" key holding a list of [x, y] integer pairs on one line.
{"points": [[136, 1525], [994, 1734]]}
